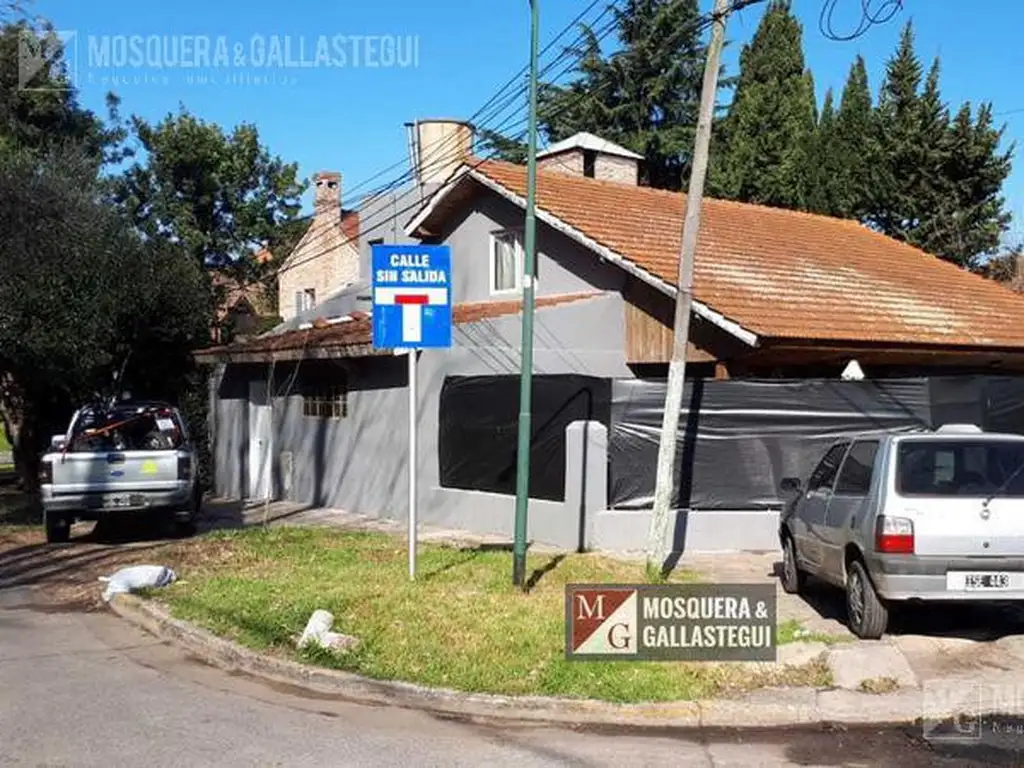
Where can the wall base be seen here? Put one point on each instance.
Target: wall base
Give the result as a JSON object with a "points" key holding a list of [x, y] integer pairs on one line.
{"points": [[691, 531]]}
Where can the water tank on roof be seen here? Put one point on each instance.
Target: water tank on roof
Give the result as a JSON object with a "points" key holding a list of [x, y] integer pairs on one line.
{"points": [[437, 147]]}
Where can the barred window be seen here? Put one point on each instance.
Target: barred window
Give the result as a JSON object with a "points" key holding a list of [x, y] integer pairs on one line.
{"points": [[325, 401]]}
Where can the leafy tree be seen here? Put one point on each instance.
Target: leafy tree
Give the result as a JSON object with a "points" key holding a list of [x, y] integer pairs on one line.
{"points": [[645, 96], [766, 143], [39, 108], [221, 196], [81, 295]]}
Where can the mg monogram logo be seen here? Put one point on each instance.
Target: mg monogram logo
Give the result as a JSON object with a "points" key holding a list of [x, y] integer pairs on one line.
{"points": [[602, 621]]}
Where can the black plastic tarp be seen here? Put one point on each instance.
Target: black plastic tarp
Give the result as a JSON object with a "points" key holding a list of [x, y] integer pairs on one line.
{"points": [[738, 439], [479, 428]]}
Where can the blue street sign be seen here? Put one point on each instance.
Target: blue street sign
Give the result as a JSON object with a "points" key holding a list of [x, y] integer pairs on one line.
{"points": [[412, 298]]}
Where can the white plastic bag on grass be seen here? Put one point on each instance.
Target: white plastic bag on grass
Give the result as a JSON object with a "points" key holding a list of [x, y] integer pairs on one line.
{"points": [[137, 577]]}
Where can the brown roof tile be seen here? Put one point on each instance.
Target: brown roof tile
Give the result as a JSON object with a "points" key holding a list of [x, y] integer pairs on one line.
{"points": [[359, 330], [784, 274]]}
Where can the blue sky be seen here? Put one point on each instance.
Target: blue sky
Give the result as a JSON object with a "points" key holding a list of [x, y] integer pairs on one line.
{"points": [[458, 53]]}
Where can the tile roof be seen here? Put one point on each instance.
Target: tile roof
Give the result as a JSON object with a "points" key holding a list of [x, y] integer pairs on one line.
{"points": [[784, 274], [357, 330]]}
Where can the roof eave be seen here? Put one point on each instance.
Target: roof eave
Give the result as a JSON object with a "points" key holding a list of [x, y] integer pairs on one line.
{"points": [[314, 352]]}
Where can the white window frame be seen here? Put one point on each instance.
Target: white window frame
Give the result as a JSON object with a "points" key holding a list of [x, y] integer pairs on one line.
{"points": [[306, 302], [517, 289]]}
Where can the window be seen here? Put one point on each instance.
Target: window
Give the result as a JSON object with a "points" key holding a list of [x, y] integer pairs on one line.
{"points": [[506, 262], [962, 468], [825, 472], [305, 299], [589, 160], [325, 401], [855, 477]]}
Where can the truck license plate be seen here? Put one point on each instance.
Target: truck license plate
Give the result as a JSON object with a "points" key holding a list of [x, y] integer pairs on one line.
{"points": [[972, 582], [119, 500]]}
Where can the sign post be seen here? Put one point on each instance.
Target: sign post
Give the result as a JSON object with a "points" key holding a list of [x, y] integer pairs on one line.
{"points": [[412, 310]]}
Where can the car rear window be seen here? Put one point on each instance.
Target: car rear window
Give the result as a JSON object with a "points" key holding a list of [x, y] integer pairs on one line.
{"points": [[127, 429], [960, 468]]}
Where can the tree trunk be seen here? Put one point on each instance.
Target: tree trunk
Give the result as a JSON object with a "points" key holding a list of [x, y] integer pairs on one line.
{"points": [[23, 434]]}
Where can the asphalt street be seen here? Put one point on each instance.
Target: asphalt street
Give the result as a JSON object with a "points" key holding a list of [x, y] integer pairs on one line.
{"points": [[85, 689]]}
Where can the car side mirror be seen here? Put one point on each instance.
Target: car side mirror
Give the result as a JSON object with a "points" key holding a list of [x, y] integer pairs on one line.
{"points": [[57, 443], [790, 484]]}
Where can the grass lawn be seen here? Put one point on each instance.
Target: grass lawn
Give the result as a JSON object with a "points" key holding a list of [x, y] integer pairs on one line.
{"points": [[461, 625]]}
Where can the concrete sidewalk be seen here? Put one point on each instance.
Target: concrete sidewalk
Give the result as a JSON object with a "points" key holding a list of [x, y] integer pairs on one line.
{"points": [[925, 648]]}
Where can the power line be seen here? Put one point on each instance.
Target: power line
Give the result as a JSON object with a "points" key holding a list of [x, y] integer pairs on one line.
{"points": [[699, 25], [605, 31], [868, 18]]}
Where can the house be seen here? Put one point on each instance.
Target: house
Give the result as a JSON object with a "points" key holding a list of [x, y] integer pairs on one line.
{"points": [[326, 258], [241, 309], [335, 251], [776, 294]]}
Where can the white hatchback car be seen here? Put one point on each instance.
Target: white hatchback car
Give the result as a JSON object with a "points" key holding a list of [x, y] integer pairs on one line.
{"points": [[896, 517]]}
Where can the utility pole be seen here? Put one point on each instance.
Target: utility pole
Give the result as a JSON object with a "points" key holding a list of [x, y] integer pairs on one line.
{"points": [[666, 471], [526, 370]]}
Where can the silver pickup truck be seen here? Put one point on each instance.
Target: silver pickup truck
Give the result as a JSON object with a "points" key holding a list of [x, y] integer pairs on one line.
{"points": [[131, 457]]}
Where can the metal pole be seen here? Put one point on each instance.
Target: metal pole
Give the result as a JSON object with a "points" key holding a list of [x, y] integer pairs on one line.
{"points": [[412, 465], [526, 374], [664, 486]]}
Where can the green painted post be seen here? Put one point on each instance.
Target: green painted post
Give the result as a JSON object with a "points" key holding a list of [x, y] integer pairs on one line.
{"points": [[526, 373]]}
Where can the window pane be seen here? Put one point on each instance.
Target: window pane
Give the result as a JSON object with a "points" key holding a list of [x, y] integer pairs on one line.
{"points": [[504, 263], [825, 472], [978, 469], [855, 477]]}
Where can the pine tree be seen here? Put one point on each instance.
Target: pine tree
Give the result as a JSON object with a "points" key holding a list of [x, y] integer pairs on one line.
{"points": [[765, 151], [645, 96], [973, 178], [854, 145], [935, 183], [895, 178], [823, 173]]}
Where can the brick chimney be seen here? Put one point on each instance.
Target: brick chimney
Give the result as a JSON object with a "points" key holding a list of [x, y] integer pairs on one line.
{"points": [[327, 195], [590, 156]]}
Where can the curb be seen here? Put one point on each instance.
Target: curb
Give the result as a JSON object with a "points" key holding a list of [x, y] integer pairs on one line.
{"points": [[770, 707]]}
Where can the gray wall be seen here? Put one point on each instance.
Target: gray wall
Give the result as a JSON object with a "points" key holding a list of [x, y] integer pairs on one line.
{"points": [[385, 217], [563, 266], [360, 463]]}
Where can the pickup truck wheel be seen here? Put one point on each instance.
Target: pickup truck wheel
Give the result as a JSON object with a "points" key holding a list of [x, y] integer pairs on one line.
{"points": [[793, 579], [868, 616], [58, 529]]}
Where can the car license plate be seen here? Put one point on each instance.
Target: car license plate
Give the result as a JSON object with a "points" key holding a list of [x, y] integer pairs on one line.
{"points": [[120, 500], [980, 582]]}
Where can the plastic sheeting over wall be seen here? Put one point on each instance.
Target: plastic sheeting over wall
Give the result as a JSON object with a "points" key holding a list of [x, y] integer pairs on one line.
{"points": [[479, 428], [738, 439]]}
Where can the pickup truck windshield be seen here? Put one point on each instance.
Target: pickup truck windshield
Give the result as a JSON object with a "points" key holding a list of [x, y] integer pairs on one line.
{"points": [[126, 429], [960, 468]]}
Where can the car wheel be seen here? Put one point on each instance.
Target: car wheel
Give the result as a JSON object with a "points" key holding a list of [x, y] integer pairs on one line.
{"points": [[868, 616], [58, 529], [793, 578]]}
